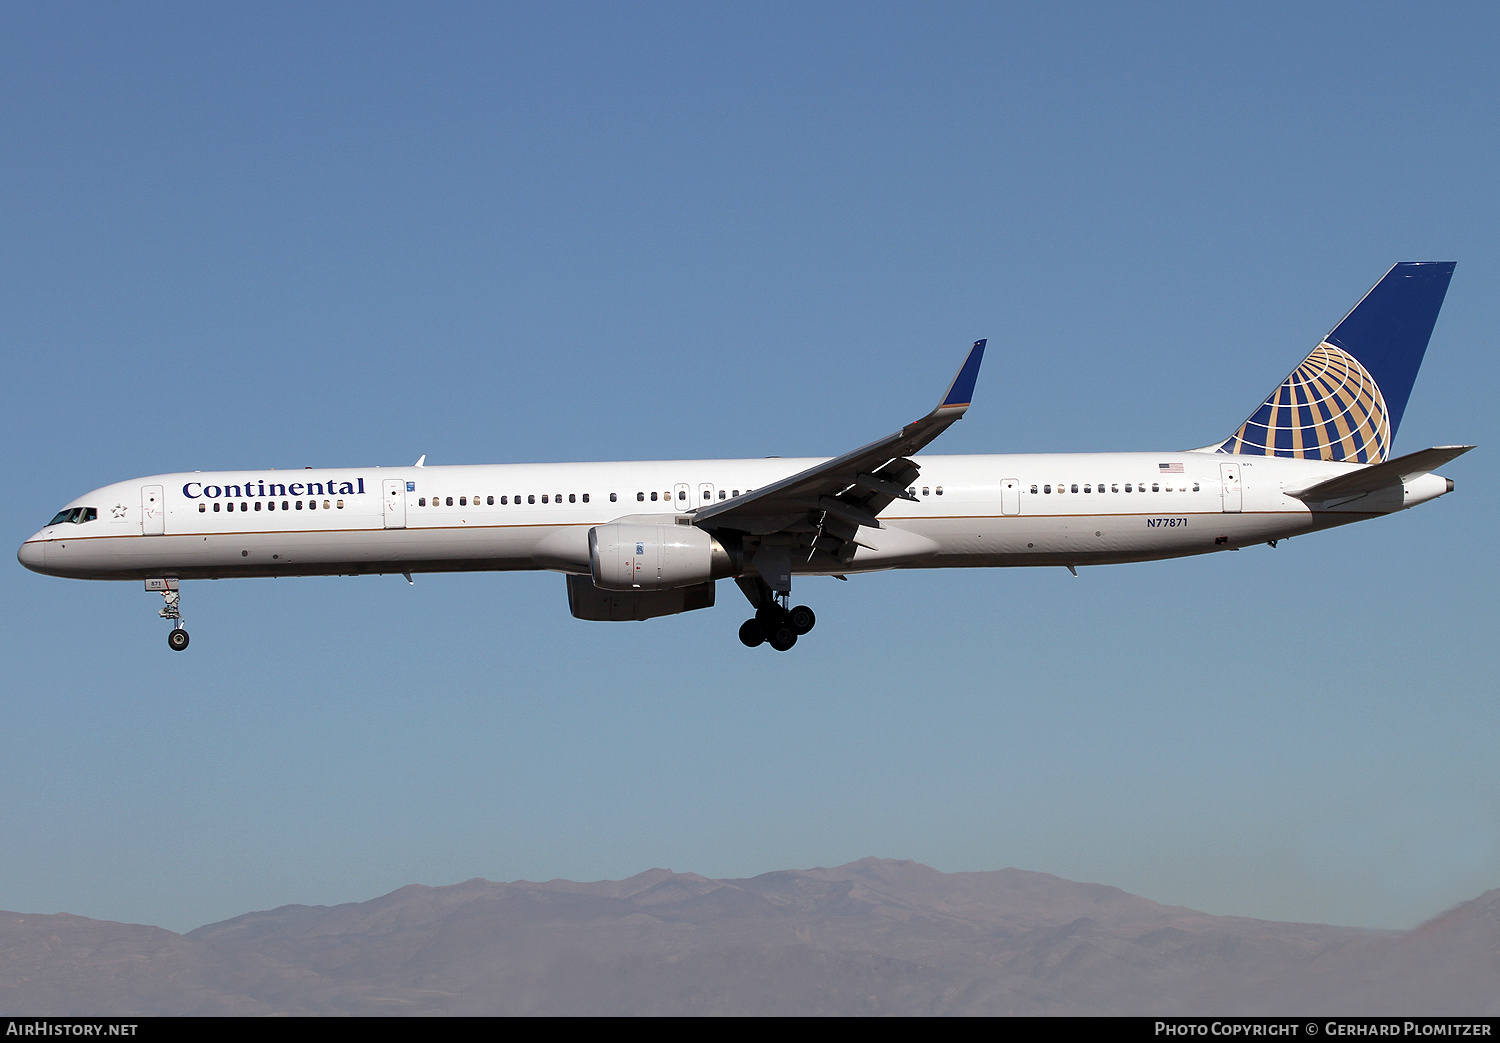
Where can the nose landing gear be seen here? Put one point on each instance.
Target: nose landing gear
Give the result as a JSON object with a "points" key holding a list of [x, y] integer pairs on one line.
{"points": [[177, 637]]}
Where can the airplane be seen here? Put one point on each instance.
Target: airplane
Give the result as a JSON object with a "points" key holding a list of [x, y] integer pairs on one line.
{"points": [[637, 540]]}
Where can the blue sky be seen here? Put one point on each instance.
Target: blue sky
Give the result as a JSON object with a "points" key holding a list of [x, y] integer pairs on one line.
{"points": [[264, 235]]}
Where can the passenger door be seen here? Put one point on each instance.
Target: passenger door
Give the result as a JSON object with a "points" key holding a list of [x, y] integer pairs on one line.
{"points": [[153, 511], [395, 503], [1234, 497], [1010, 496]]}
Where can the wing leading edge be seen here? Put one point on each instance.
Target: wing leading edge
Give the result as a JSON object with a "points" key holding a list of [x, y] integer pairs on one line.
{"points": [[822, 508]]}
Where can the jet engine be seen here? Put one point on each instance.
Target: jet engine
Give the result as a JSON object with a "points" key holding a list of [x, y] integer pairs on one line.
{"points": [[655, 556]]}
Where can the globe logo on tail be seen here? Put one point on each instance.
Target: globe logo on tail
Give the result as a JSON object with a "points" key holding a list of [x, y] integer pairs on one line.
{"points": [[1330, 408]]}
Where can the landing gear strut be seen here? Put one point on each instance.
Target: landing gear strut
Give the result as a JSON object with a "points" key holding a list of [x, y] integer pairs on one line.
{"points": [[774, 623], [177, 637]]}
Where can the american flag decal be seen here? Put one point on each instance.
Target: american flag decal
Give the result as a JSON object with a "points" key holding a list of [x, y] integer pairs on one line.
{"points": [[1169, 468]]}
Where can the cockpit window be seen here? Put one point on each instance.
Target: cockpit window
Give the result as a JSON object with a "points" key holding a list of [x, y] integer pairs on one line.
{"points": [[75, 515]]}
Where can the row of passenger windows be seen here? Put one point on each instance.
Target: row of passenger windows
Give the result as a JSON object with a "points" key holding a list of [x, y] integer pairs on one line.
{"points": [[641, 497], [1114, 487], [1088, 487], [682, 494], [463, 501], [286, 505]]}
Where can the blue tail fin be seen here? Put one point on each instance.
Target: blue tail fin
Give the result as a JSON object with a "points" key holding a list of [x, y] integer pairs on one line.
{"points": [[1346, 399]]}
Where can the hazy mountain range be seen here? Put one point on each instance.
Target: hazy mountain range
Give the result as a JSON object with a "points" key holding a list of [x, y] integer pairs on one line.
{"points": [[871, 937]]}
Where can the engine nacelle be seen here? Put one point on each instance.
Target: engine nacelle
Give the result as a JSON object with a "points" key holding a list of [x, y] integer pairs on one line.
{"points": [[587, 601], [645, 555]]}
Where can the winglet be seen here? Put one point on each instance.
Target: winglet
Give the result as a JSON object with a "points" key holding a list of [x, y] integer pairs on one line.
{"points": [[961, 391]]}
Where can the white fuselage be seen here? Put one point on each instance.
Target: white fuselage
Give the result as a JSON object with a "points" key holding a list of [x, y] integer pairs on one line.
{"points": [[970, 511]]}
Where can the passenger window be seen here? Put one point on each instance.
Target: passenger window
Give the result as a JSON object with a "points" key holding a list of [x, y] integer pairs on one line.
{"points": [[327, 506], [489, 501], [202, 507], [463, 501], [216, 508], [341, 505], [1195, 487], [940, 490], [1127, 486], [925, 491], [1033, 490], [421, 501], [1046, 490], [257, 505], [1088, 488], [1114, 488], [571, 498], [1155, 487], [544, 497], [585, 497], [721, 494], [450, 501], [285, 506], [531, 497], [611, 497], [504, 501], [557, 498], [1169, 488], [299, 505], [639, 497], [312, 505], [653, 496], [244, 506], [736, 492]]}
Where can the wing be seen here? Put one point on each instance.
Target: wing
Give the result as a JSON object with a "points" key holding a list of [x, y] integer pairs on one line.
{"points": [[821, 509]]}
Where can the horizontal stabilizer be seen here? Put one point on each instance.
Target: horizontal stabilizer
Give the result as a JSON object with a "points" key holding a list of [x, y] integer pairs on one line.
{"points": [[1379, 476]]}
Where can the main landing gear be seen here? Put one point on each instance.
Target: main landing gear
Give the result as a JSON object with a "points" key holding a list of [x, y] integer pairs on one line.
{"points": [[177, 637], [773, 623]]}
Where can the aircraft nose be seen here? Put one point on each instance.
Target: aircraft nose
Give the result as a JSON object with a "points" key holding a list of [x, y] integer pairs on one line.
{"points": [[33, 554]]}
